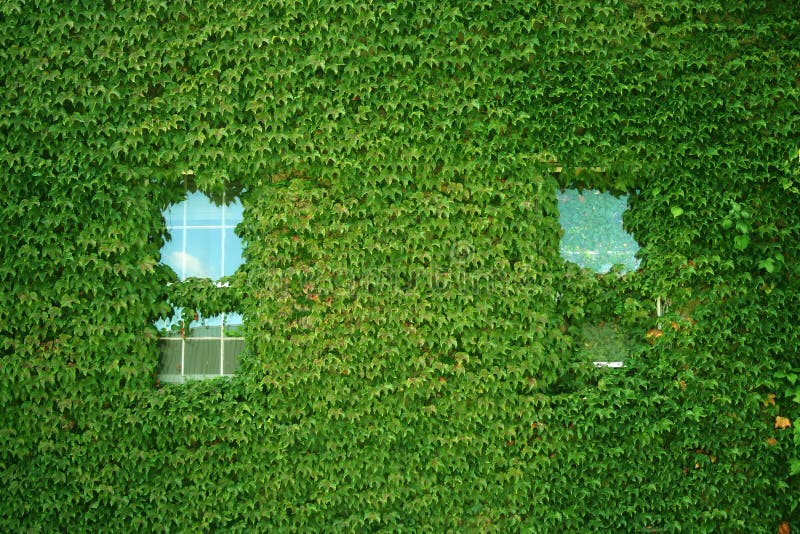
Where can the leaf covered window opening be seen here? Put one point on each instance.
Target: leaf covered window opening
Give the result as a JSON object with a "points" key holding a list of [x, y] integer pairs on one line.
{"points": [[594, 238], [593, 234], [209, 349], [202, 244]]}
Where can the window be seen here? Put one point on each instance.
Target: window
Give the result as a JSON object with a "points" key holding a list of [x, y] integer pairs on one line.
{"points": [[203, 244], [594, 239], [593, 234]]}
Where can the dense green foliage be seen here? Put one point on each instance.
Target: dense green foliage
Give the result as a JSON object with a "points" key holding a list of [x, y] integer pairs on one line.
{"points": [[414, 355]]}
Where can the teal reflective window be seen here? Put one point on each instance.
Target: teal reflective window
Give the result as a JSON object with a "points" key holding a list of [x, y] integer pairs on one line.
{"points": [[593, 234]]}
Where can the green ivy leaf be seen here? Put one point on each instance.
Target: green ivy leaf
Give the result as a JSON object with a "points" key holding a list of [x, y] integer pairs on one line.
{"points": [[794, 466]]}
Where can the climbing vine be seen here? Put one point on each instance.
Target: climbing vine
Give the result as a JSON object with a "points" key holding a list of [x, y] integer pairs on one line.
{"points": [[418, 353]]}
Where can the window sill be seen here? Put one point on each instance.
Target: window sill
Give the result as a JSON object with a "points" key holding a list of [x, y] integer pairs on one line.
{"points": [[181, 379], [609, 364]]}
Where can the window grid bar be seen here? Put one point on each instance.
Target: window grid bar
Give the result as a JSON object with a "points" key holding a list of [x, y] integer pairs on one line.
{"points": [[183, 253], [222, 272], [222, 252], [236, 338], [201, 226], [183, 358], [222, 346]]}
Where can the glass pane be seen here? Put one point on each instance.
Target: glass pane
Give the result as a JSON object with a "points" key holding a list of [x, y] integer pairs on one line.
{"points": [[232, 319], [214, 320], [171, 326], [233, 213], [593, 234], [170, 362], [174, 215], [233, 252], [172, 253], [603, 342], [207, 331], [202, 357], [233, 347], [200, 211], [217, 320], [233, 325], [203, 253]]}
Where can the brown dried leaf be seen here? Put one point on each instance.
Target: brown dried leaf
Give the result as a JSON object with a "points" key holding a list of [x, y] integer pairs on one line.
{"points": [[782, 422], [653, 334]]}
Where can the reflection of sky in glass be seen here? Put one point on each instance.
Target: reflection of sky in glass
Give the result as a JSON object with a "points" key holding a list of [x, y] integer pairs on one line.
{"points": [[234, 213], [203, 242], [593, 234], [230, 319], [174, 215], [232, 253], [203, 254], [200, 211], [172, 252]]}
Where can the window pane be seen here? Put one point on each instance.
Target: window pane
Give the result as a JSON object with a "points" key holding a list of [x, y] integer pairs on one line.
{"points": [[234, 325], [603, 342], [233, 347], [174, 215], [233, 319], [200, 211], [172, 253], [593, 233], [170, 363], [202, 357], [171, 326], [203, 253], [233, 213], [214, 320], [233, 252], [207, 330]]}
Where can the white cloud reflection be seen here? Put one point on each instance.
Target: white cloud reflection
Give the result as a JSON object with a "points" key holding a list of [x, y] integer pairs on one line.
{"points": [[187, 265]]}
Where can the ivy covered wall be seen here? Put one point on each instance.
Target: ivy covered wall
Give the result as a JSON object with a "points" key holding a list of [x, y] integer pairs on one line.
{"points": [[414, 355]]}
